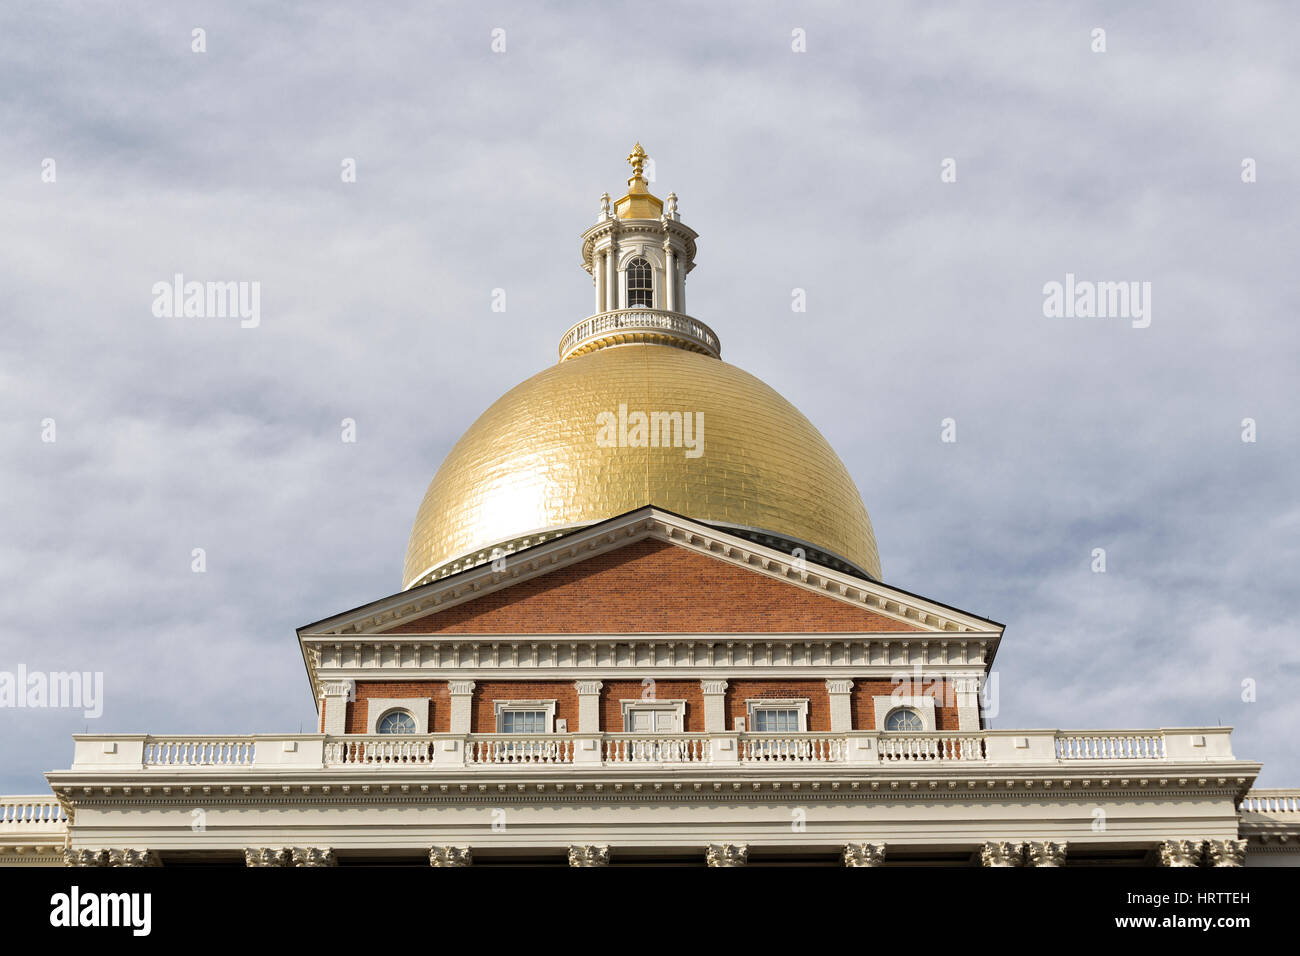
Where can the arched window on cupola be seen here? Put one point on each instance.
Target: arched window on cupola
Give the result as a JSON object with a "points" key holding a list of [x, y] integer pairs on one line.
{"points": [[640, 284]]}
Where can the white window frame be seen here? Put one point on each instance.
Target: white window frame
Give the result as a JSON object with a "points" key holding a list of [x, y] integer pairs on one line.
{"points": [[677, 707], [379, 707], [502, 706], [799, 704], [923, 705]]}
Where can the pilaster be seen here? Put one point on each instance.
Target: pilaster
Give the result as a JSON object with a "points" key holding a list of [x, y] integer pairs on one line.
{"points": [[714, 693], [839, 691], [461, 694], [588, 705]]}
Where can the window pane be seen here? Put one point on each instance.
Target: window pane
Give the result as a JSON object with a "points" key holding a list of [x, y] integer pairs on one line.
{"points": [[904, 719], [639, 290], [396, 723], [774, 720], [523, 722]]}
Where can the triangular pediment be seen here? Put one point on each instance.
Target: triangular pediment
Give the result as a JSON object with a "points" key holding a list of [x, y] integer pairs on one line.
{"points": [[651, 571]]}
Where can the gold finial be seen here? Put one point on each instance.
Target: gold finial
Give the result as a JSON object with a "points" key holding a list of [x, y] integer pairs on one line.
{"points": [[638, 203], [637, 159]]}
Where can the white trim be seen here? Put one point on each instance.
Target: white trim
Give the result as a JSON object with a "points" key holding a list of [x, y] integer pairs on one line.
{"points": [[923, 705], [378, 707], [799, 704], [649, 522], [548, 706], [677, 707]]}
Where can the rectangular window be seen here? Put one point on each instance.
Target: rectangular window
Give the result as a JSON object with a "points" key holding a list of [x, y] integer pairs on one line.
{"points": [[654, 717], [774, 720], [523, 722]]}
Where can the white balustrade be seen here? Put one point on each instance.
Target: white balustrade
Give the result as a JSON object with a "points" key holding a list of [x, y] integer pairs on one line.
{"points": [[895, 748], [31, 814], [634, 320], [518, 749], [1271, 801], [793, 748], [385, 749], [1116, 745], [675, 748], [199, 751]]}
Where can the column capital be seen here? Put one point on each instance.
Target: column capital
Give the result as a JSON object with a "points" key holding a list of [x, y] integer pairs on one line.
{"points": [[130, 857], [713, 687], [839, 685], [460, 687], [1225, 852], [85, 857], [267, 856], [589, 855], [1002, 854], [314, 856], [1181, 852], [1045, 853], [727, 854], [864, 854], [340, 688], [450, 856], [588, 686]]}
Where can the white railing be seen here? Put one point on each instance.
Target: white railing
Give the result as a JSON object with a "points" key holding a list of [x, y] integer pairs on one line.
{"points": [[518, 748], [625, 321], [674, 748], [1271, 801], [31, 814], [793, 748], [1114, 745], [386, 749], [199, 751], [96, 753], [896, 748]]}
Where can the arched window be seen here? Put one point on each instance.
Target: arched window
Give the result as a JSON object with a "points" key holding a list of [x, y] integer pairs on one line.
{"points": [[397, 722], [904, 718], [640, 285]]}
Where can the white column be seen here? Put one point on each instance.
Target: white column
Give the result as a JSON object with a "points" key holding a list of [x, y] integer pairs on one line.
{"points": [[598, 270], [335, 700], [588, 705], [968, 702], [670, 279], [715, 710], [679, 280], [462, 694], [841, 713], [611, 281]]}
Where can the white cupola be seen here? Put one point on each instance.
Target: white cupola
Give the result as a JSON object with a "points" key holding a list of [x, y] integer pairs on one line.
{"points": [[638, 255]]}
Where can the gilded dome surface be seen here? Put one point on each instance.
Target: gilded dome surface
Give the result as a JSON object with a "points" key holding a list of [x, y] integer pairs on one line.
{"points": [[535, 463]]}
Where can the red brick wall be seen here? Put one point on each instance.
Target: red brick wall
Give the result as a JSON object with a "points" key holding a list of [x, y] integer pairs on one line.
{"points": [[565, 695], [615, 692], [651, 586], [483, 718], [741, 691], [864, 708], [439, 704]]}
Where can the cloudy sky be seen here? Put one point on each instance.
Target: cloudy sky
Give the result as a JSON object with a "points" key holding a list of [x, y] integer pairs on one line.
{"points": [[818, 170]]}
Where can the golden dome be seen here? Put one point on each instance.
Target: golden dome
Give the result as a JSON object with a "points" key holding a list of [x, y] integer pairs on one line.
{"points": [[534, 464]]}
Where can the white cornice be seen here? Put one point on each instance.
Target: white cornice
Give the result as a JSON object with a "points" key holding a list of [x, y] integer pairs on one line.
{"points": [[648, 523]]}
